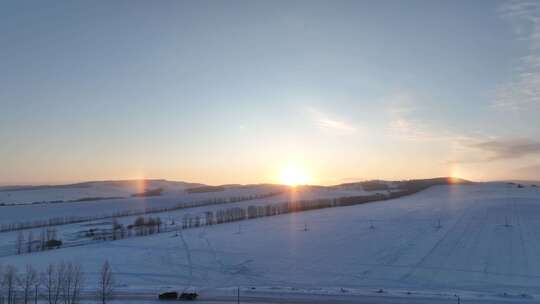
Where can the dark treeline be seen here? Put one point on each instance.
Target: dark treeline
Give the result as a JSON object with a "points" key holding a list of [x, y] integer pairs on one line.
{"points": [[149, 193], [27, 243], [205, 189], [79, 200]]}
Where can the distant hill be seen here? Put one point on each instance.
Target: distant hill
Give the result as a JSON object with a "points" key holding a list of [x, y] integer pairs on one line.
{"points": [[376, 185], [523, 182], [118, 189], [93, 190], [113, 183]]}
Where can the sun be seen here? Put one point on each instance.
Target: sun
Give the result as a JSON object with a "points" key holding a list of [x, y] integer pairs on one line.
{"points": [[293, 176]]}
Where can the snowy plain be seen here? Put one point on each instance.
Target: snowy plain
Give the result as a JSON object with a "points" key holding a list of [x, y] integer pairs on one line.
{"points": [[480, 239], [71, 233]]}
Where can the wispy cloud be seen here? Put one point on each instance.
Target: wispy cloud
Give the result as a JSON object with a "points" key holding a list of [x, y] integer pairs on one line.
{"points": [[488, 150], [335, 124], [523, 92], [468, 146], [324, 121], [402, 109], [410, 129], [508, 149]]}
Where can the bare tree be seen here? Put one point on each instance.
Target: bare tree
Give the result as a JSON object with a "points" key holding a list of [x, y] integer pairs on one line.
{"points": [[71, 283], [158, 224], [48, 279], [106, 283], [37, 284], [19, 242], [9, 280], [53, 282], [122, 232], [77, 283], [1, 289], [26, 281], [42, 240], [30, 242], [114, 228], [65, 284]]}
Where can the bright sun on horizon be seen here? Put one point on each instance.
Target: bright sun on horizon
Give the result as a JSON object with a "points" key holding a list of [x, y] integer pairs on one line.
{"points": [[293, 176]]}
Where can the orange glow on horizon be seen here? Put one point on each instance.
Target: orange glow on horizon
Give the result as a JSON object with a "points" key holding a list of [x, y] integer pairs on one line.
{"points": [[293, 176]]}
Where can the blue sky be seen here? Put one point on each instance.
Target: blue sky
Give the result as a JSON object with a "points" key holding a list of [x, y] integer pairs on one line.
{"points": [[235, 91]]}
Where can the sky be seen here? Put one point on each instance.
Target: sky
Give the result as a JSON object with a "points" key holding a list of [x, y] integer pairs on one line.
{"points": [[240, 91]]}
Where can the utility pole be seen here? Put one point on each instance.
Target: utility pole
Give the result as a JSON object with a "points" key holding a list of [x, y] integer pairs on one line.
{"points": [[439, 224], [36, 294], [238, 296]]}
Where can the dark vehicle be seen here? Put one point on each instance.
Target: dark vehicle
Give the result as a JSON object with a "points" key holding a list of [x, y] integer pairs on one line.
{"points": [[188, 296], [53, 244], [168, 295]]}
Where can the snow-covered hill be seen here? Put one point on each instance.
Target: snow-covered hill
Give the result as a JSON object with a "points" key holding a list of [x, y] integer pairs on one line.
{"points": [[482, 238], [89, 190]]}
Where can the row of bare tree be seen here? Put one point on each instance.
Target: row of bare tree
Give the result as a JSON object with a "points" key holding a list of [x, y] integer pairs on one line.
{"points": [[60, 283], [64, 220], [149, 225], [46, 240]]}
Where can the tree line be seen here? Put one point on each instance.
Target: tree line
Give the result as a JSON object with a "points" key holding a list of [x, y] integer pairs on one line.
{"points": [[47, 239], [59, 283], [58, 221]]}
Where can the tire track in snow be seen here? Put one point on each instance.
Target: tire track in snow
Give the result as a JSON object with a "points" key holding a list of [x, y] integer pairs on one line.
{"points": [[435, 247], [471, 227]]}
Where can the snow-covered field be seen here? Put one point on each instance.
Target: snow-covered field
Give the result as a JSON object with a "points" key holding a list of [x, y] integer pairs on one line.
{"points": [[487, 243], [71, 233], [29, 212]]}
